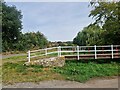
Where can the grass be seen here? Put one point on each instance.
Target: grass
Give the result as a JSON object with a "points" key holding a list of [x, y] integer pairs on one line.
{"points": [[13, 52], [14, 71], [17, 72], [81, 72], [15, 59], [0, 74]]}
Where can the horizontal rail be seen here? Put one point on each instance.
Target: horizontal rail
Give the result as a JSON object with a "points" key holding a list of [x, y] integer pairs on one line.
{"points": [[52, 52], [37, 50], [106, 50], [116, 45], [68, 51], [85, 46], [52, 48], [42, 49], [78, 51], [37, 55], [104, 46], [68, 46]]}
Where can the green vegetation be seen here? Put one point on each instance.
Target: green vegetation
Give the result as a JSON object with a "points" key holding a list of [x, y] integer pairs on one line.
{"points": [[12, 37], [15, 59], [17, 72], [90, 35], [0, 74], [32, 40], [11, 26], [81, 72], [14, 70], [105, 29], [107, 15]]}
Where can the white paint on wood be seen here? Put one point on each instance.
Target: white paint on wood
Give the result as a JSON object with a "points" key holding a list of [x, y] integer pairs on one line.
{"points": [[112, 51], [78, 52], [46, 51], [95, 52], [29, 56]]}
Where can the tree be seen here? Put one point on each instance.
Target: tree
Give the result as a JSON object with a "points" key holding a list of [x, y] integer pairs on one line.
{"points": [[90, 35], [107, 15], [12, 37], [11, 26], [80, 39], [31, 40], [0, 15], [0, 26]]}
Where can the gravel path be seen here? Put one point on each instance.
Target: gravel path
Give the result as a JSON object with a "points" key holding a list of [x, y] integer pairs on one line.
{"points": [[97, 83]]}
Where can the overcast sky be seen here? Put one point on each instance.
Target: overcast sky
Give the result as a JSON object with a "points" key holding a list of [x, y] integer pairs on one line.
{"points": [[58, 21]]}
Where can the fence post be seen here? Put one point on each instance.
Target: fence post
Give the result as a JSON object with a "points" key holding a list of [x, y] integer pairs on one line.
{"points": [[78, 52], [46, 51], [29, 56], [95, 52], [112, 51], [60, 50]]}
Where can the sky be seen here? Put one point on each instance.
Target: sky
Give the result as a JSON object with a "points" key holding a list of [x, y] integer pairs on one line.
{"points": [[58, 21]]}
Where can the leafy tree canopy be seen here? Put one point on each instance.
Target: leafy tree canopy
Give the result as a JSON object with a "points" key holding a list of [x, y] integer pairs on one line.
{"points": [[11, 26], [31, 40], [12, 37], [107, 15], [90, 35]]}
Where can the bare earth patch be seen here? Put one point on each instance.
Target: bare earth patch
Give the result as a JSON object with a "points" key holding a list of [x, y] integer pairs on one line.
{"points": [[94, 83]]}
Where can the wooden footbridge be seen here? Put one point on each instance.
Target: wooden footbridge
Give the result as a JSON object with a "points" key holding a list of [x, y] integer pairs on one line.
{"points": [[78, 52]]}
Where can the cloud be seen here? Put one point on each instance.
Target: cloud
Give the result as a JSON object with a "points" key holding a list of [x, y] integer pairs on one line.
{"points": [[58, 21]]}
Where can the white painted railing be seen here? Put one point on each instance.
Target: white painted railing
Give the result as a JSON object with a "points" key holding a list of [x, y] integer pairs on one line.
{"points": [[76, 51]]}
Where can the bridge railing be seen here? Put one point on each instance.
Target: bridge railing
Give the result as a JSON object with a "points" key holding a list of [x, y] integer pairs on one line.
{"points": [[95, 52]]}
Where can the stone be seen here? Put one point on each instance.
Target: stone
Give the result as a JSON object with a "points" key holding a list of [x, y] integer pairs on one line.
{"points": [[48, 62]]}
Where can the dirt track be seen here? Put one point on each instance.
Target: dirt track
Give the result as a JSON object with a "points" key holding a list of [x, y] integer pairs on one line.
{"points": [[95, 83]]}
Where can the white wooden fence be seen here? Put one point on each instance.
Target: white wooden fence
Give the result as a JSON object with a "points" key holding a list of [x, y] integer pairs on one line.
{"points": [[96, 51]]}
